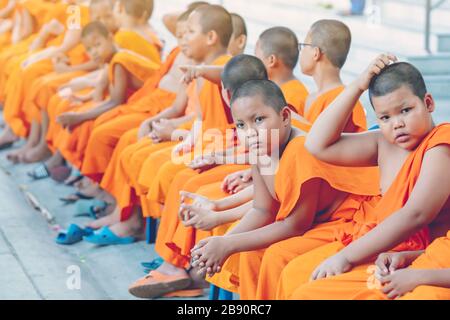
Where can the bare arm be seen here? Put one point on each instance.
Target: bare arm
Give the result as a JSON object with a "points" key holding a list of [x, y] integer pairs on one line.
{"points": [[296, 224], [236, 199], [210, 73], [8, 9], [326, 140], [264, 209], [436, 278]]}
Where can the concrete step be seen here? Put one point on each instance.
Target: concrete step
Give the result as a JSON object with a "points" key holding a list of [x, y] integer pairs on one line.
{"points": [[437, 64], [410, 14], [439, 86], [443, 42]]}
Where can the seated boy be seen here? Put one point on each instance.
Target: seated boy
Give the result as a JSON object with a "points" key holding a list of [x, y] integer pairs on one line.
{"points": [[413, 155]]}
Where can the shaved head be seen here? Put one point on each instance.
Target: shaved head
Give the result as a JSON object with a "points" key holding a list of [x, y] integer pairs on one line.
{"points": [[266, 90], [216, 18], [395, 76], [333, 38], [95, 27], [241, 69], [282, 43], [137, 8], [239, 26]]}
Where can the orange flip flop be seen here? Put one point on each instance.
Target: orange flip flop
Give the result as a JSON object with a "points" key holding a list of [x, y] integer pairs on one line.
{"points": [[157, 284]]}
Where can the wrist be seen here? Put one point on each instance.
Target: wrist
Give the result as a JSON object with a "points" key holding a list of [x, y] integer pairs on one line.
{"points": [[231, 245]]}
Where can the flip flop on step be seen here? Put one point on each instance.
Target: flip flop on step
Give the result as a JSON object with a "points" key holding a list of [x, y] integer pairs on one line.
{"points": [[105, 237], [157, 284], [90, 208], [74, 234], [6, 146], [75, 197], [153, 265], [39, 173]]}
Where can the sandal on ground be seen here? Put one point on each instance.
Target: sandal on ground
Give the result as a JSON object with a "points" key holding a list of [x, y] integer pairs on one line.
{"points": [[91, 208], [39, 173], [105, 237], [75, 197], [74, 234], [157, 284]]}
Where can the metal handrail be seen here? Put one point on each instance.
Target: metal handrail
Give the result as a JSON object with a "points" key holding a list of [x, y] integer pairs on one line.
{"points": [[429, 7]]}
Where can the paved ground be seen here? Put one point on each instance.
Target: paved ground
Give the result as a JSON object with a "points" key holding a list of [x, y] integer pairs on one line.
{"points": [[32, 266]]}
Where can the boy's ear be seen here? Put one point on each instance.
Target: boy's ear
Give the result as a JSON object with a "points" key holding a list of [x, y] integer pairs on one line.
{"points": [[286, 115], [272, 61], [429, 102], [242, 41], [317, 54], [212, 38]]}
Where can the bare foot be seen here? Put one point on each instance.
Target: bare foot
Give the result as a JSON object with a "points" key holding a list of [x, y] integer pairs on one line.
{"points": [[198, 281], [171, 270], [131, 228], [106, 221], [37, 154], [90, 189], [54, 161], [7, 136]]}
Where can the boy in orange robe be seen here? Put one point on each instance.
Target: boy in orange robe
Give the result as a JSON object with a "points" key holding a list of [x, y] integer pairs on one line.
{"points": [[413, 156]]}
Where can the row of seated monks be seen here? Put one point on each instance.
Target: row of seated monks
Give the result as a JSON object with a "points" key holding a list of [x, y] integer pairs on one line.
{"points": [[261, 187]]}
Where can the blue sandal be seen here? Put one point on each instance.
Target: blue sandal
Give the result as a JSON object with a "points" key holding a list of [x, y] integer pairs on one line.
{"points": [[73, 235], [90, 208], [105, 237], [153, 265]]}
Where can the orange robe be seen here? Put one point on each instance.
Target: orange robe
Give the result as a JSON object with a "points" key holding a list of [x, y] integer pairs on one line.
{"points": [[109, 128], [160, 170], [121, 176], [258, 271], [251, 267], [297, 273], [175, 241], [42, 12], [142, 68], [21, 79]]}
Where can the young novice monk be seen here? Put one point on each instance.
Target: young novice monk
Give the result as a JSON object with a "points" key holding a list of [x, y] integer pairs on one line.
{"points": [[42, 89], [64, 45], [205, 98], [128, 70], [288, 202], [413, 155], [237, 71], [322, 64]]}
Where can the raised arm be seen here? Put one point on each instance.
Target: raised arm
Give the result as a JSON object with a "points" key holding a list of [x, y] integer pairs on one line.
{"points": [[326, 140]]}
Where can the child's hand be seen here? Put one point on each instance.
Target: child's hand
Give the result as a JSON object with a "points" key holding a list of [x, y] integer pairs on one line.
{"points": [[145, 129], [237, 181], [381, 62], [210, 254], [199, 218], [333, 266], [387, 263], [198, 200], [400, 282], [70, 119], [163, 129], [203, 162], [182, 148], [61, 67], [190, 73]]}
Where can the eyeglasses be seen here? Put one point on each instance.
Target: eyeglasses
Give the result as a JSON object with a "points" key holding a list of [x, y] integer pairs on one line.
{"points": [[302, 45]]}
